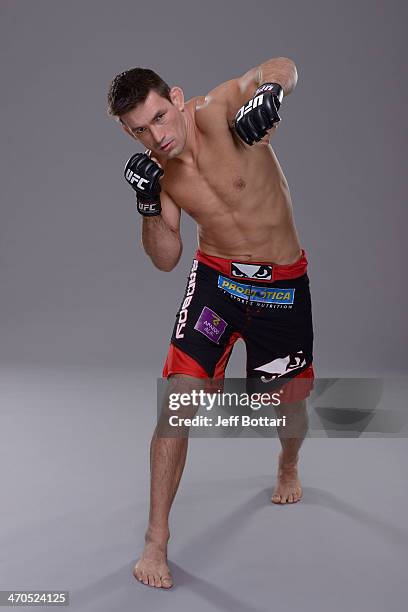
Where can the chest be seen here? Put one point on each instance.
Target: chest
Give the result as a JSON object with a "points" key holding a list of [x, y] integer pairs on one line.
{"points": [[220, 174]]}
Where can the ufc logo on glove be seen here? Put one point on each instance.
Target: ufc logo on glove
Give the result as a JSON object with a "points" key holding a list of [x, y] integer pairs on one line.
{"points": [[132, 177], [146, 207], [253, 103]]}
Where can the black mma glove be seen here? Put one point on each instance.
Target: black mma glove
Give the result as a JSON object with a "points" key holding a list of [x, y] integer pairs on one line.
{"points": [[259, 114], [143, 174]]}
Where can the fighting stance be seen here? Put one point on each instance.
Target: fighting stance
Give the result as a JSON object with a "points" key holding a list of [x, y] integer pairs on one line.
{"points": [[210, 156]]}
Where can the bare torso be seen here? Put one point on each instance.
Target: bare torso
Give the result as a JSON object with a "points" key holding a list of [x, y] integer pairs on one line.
{"points": [[238, 195]]}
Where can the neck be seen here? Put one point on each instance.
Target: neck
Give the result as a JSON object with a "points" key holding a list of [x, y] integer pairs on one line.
{"points": [[189, 153]]}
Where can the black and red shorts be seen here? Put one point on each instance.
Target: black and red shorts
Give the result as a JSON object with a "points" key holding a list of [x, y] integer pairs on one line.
{"points": [[266, 305]]}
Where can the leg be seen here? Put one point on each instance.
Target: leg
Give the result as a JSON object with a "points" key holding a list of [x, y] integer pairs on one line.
{"points": [[167, 460], [279, 346], [288, 488], [208, 338]]}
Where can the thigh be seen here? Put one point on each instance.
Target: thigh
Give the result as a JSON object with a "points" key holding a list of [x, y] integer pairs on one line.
{"points": [[279, 336], [206, 327]]}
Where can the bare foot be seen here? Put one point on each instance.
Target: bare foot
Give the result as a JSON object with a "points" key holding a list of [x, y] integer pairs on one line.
{"points": [[288, 489], [152, 568]]}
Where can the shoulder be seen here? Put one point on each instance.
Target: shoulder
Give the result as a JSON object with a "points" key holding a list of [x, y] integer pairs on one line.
{"points": [[227, 98], [209, 110]]}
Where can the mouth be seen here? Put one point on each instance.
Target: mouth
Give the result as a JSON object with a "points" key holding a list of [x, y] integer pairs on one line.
{"points": [[167, 146]]}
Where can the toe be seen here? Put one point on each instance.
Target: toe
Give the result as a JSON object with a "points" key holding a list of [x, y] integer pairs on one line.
{"points": [[145, 578], [290, 498], [139, 576], [136, 572], [276, 498], [157, 581], [167, 582], [150, 578]]}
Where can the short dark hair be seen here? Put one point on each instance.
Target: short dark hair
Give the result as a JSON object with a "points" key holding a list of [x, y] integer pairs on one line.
{"points": [[132, 87]]}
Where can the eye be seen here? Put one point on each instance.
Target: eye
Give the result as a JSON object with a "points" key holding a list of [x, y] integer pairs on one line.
{"points": [[236, 272], [160, 117], [263, 272]]}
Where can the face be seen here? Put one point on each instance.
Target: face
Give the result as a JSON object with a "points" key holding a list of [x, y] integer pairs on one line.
{"points": [[158, 123]]}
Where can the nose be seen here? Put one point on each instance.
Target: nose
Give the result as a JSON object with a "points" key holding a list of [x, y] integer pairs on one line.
{"points": [[157, 134]]}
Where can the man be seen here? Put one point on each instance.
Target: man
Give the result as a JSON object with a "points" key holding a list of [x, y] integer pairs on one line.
{"points": [[211, 157]]}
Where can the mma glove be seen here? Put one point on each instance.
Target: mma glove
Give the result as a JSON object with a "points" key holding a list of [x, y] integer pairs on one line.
{"points": [[143, 175], [259, 114]]}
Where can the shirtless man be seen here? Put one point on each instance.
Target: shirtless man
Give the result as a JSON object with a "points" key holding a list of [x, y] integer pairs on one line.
{"points": [[211, 157]]}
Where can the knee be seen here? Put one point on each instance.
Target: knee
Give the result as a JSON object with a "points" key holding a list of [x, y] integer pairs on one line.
{"points": [[183, 396]]}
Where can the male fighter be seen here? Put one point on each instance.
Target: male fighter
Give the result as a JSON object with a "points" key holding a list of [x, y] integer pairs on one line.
{"points": [[210, 156]]}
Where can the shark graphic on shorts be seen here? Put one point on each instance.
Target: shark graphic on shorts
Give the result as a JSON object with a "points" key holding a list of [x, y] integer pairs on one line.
{"points": [[282, 365]]}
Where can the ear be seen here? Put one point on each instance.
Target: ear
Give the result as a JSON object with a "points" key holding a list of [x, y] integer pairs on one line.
{"points": [[177, 97]]}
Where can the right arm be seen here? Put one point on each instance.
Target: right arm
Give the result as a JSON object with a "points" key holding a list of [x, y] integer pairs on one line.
{"points": [[161, 238]]}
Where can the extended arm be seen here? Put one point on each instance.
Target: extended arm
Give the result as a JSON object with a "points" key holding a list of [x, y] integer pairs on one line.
{"points": [[236, 92], [279, 70]]}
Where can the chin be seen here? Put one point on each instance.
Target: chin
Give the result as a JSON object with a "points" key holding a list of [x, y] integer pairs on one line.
{"points": [[175, 151]]}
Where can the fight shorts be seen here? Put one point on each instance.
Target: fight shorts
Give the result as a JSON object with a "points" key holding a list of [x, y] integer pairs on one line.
{"points": [[266, 305]]}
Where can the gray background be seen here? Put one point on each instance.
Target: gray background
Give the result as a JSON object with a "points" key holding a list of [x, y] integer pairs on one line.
{"points": [[76, 285], [86, 319]]}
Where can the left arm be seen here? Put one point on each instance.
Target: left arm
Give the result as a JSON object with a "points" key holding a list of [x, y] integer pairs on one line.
{"points": [[236, 92], [280, 70]]}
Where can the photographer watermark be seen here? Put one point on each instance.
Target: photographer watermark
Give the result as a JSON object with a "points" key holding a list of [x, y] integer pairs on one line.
{"points": [[330, 407], [220, 399]]}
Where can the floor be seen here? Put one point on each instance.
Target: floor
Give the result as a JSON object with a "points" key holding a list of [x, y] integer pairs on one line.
{"points": [[74, 468]]}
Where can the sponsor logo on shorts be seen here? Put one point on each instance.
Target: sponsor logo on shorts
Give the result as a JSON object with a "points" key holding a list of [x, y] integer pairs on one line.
{"points": [[274, 296], [282, 365], [210, 324], [256, 271], [183, 314]]}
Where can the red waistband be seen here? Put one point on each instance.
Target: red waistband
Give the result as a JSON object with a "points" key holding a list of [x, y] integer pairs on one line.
{"points": [[278, 272]]}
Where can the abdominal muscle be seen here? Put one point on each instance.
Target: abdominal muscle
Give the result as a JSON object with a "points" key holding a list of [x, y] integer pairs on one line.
{"points": [[246, 240], [254, 226]]}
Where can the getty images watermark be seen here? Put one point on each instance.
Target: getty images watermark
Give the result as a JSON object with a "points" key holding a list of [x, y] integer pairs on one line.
{"points": [[322, 408], [221, 399]]}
